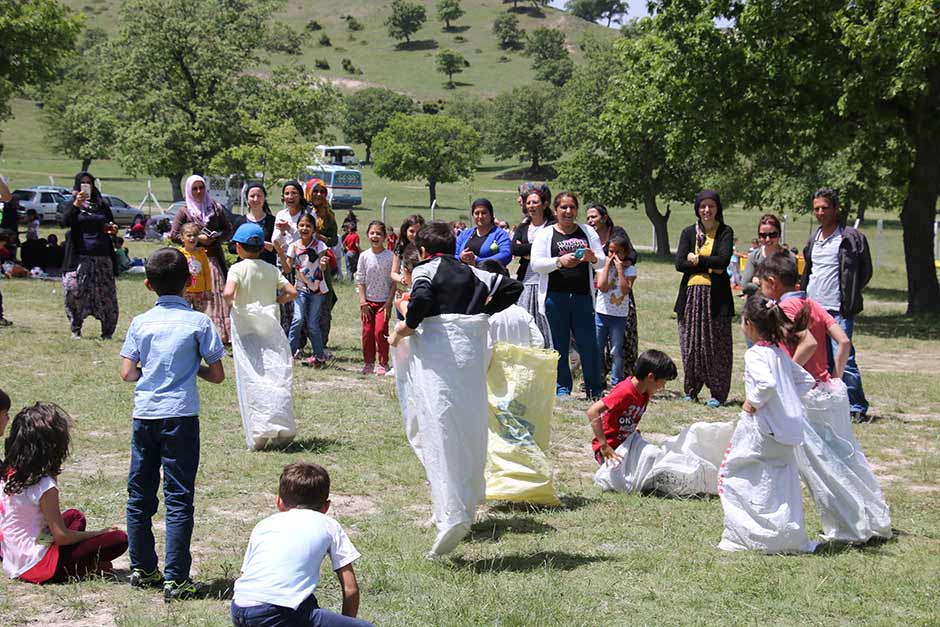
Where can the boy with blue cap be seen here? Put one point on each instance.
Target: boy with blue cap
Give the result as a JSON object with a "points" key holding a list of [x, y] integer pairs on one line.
{"points": [[263, 365]]}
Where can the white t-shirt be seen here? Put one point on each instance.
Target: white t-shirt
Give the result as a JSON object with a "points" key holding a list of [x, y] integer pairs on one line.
{"points": [[613, 302], [258, 282], [282, 562], [21, 523], [531, 276], [774, 385], [515, 325], [373, 271], [292, 234], [823, 286]]}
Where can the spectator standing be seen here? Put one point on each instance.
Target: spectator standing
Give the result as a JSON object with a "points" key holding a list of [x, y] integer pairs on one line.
{"points": [[535, 199]]}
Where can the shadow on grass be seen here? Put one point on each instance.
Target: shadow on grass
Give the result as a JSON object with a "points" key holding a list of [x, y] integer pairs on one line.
{"points": [[311, 445], [457, 29], [417, 44], [875, 545], [568, 502], [543, 560], [496, 528], [542, 173], [895, 326], [888, 294], [221, 589]]}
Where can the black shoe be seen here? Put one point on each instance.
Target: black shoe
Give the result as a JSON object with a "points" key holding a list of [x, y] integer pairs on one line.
{"points": [[859, 417], [142, 579], [4, 322], [182, 591]]}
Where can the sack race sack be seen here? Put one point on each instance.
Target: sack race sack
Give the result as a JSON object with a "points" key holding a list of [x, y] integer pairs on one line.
{"points": [[631, 473], [847, 495], [441, 380], [263, 375], [521, 392], [760, 494]]}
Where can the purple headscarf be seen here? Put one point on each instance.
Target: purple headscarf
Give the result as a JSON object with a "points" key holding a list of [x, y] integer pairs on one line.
{"points": [[198, 212]]}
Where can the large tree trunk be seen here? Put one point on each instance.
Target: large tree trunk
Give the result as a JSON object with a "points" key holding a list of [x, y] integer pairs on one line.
{"points": [[660, 220], [432, 187], [86, 163], [917, 219], [535, 161], [176, 186]]}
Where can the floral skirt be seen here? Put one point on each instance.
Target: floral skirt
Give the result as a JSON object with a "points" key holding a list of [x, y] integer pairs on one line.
{"points": [[529, 300], [90, 291], [705, 343], [218, 310]]}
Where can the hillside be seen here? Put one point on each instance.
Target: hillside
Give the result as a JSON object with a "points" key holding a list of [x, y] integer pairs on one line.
{"points": [[410, 68]]}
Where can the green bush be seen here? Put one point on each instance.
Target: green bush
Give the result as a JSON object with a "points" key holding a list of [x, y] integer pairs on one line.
{"points": [[325, 40], [321, 64], [313, 25]]}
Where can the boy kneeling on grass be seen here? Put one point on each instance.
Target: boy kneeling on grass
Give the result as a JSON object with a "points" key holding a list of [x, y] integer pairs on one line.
{"points": [[281, 568]]}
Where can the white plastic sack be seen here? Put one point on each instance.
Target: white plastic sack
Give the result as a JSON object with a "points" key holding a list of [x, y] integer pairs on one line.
{"points": [[440, 373], [690, 461], [760, 494], [847, 494], [637, 458], [263, 375]]}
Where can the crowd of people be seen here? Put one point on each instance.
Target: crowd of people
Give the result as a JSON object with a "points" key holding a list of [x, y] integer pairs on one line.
{"points": [[574, 288]]}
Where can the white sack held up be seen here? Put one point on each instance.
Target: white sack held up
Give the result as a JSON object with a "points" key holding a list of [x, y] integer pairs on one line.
{"points": [[441, 379], [759, 489], [844, 488], [685, 465], [263, 375]]}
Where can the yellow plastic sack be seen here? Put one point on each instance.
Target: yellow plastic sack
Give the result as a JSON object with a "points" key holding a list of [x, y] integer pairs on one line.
{"points": [[521, 391]]}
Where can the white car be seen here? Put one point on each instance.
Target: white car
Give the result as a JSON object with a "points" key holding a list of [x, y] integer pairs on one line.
{"points": [[44, 201]]}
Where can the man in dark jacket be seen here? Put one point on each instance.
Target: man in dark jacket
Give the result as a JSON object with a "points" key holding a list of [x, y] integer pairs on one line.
{"points": [[838, 267]]}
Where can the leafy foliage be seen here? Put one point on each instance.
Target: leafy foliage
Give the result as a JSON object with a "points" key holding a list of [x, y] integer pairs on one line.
{"points": [[435, 148], [406, 19], [368, 112], [508, 33], [524, 125], [550, 58], [450, 62], [449, 11], [283, 38], [595, 10]]}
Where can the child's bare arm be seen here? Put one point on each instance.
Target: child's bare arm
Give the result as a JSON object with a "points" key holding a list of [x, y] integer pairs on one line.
{"points": [[347, 581], [845, 346], [213, 373], [229, 292], [130, 371], [61, 534], [595, 413], [805, 347], [601, 278]]}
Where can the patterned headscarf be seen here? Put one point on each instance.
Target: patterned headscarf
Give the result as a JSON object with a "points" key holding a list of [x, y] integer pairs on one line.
{"points": [[321, 212], [198, 212]]}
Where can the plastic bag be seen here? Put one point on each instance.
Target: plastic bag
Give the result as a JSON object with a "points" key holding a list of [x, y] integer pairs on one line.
{"points": [[521, 391], [690, 461], [760, 494], [847, 495], [630, 474], [441, 378], [263, 375]]}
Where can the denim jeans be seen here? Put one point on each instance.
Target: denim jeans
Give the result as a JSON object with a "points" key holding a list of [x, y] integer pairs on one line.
{"points": [[352, 263], [612, 329], [574, 314], [851, 377], [308, 308], [306, 614], [172, 443]]}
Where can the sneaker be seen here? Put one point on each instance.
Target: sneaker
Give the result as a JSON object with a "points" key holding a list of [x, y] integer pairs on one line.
{"points": [[380, 370], [310, 362], [4, 322], [76, 336], [140, 578], [714, 403], [182, 591], [689, 399], [368, 369], [859, 417], [390, 372], [325, 362]]}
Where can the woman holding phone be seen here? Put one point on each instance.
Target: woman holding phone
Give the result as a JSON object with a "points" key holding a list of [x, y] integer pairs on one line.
{"points": [[216, 228], [88, 268]]}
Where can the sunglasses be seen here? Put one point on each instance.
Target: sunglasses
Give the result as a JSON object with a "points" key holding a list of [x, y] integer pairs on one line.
{"points": [[770, 235]]}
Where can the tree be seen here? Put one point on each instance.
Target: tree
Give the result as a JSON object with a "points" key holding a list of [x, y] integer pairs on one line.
{"points": [[524, 125], [436, 148], [36, 37], [507, 31], [450, 62], [368, 112], [448, 11], [475, 112], [550, 58], [406, 18], [595, 10], [817, 79]]}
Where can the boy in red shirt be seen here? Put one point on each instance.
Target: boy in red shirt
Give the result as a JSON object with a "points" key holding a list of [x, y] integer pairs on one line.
{"points": [[351, 248], [616, 416]]}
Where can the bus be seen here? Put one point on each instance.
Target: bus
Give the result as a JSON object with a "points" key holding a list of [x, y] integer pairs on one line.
{"points": [[343, 184]]}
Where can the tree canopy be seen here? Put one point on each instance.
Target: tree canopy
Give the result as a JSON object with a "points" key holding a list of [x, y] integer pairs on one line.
{"points": [[550, 58], [405, 20], [524, 125], [449, 11], [596, 10], [368, 112], [450, 62], [508, 33], [434, 148]]}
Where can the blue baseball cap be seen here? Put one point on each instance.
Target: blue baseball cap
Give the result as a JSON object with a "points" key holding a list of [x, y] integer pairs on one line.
{"points": [[249, 233]]}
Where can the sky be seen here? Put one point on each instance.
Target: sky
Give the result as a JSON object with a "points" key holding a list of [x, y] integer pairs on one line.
{"points": [[637, 7]]}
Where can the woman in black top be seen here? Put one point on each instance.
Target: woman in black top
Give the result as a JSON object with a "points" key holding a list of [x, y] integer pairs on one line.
{"points": [[259, 213], [705, 304], [536, 200], [89, 267]]}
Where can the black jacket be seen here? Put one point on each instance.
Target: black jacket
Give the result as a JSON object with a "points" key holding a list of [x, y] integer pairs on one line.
{"points": [[721, 298], [855, 269], [74, 235], [521, 247]]}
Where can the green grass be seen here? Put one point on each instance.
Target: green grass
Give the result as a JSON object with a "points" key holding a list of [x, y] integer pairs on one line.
{"points": [[599, 559]]}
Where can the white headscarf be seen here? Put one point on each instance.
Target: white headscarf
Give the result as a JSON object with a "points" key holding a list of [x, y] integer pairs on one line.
{"points": [[198, 212]]}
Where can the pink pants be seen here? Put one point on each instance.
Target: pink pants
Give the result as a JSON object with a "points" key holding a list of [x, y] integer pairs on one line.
{"points": [[374, 335], [88, 556]]}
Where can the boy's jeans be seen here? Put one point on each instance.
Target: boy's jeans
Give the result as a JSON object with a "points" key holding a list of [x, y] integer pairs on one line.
{"points": [[573, 314], [612, 328], [851, 377], [352, 264], [174, 444], [307, 613], [308, 307]]}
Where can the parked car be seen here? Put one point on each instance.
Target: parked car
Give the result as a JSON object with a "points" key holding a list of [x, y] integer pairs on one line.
{"points": [[170, 213], [124, 214], [44, 201]]}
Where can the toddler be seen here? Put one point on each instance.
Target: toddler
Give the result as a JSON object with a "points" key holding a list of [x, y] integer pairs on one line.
{"points": [[200, 279]]}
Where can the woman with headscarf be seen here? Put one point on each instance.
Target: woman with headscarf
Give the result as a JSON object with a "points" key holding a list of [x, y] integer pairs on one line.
{"points": [[705, 305], [259, 213], [535, 199], [88, 268], [208, 214], [317, 195], [484, 240]]}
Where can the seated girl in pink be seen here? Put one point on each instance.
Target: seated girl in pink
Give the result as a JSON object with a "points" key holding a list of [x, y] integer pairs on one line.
{"points": [[40, 542]]}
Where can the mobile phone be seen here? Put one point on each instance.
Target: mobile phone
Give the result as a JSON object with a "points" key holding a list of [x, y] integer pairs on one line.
{"points": [[579, 254], [86, 189]]}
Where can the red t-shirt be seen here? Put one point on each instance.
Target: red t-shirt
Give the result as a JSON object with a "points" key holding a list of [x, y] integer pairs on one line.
{"points": [[819, 321], [625, 406], [351, 243]]}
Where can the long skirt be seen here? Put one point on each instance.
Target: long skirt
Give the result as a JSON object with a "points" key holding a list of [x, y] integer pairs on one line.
{"points": [[529, 300], [218, 310], [705, 343], [90, 291]]}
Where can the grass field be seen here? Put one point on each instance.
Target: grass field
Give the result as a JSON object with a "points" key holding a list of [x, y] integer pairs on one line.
{"points": [[599, 559]]}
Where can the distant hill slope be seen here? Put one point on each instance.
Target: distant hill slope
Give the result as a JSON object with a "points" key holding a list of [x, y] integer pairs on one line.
{"points": [[410, 70]]}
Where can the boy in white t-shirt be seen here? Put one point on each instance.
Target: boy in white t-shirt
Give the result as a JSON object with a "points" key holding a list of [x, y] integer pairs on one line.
{"points": [[252, 280], [281, 568], [612, 305]]}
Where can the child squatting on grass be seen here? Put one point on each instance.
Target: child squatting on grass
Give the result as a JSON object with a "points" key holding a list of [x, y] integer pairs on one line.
{"points": [[40, 543], [281, 569], [163, 353], [758, 482]]}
